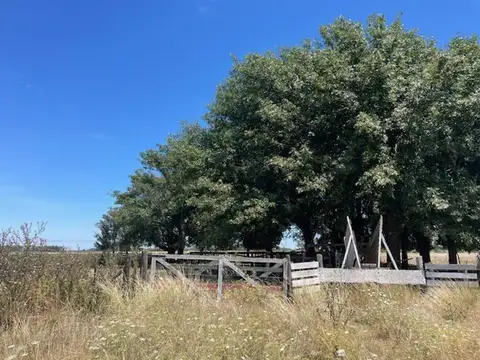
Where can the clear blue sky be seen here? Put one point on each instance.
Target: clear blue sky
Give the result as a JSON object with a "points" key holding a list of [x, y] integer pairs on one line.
{"points": [[86, 85]]}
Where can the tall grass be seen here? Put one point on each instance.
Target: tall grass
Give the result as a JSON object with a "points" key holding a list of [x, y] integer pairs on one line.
{"points": [[34, 282], [167, 320], [60, 313]]}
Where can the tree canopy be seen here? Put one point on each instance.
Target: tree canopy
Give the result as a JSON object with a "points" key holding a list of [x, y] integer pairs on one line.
{"points": [[367, 120]]}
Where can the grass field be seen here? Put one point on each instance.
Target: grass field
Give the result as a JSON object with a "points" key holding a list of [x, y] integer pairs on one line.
{"points": [[51, 307], [440, 257], [167, 320], [465, 258]]}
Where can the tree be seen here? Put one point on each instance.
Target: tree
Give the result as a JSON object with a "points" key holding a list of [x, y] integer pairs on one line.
{"points": [[108, 237], [352, 124], [367, 120], [157, 209]]}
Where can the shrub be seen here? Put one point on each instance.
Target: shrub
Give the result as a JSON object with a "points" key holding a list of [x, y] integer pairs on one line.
{"points": [[34, 281]]}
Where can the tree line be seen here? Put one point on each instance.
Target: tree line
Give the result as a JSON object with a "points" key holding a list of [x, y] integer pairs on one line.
{"points": [[365, 120]]}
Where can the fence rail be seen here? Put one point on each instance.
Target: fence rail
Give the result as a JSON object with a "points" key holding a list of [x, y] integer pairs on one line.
{"points": [[219, 263], [307, 274], [454, 274], [293, 276], [312, 273], [215, 258]]}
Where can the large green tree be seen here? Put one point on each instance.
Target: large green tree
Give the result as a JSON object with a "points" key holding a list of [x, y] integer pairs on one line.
{"points": [[353, 124], [367, 120]]}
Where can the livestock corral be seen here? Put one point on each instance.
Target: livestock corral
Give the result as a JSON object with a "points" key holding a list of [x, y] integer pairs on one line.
{"points": [[218, 271], [237, 305], [357, 265], [159, 306]]}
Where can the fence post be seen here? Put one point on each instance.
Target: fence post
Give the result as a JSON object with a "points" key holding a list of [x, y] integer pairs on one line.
{"points": [[144, 266], [478, 268], [287, 277], [126, 270], [220, 280], [419, 262], [320, 260], [153, 268]]}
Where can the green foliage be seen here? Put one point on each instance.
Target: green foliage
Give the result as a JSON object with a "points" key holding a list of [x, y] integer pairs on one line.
{"points": [[366, 120], [109, 235]]}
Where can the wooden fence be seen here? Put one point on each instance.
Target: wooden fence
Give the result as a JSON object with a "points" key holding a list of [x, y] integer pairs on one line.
{"points": [[199, 266], [293, 276], [251, 270], [295, 255], [308, 274], [444, 274], [312, 273]]}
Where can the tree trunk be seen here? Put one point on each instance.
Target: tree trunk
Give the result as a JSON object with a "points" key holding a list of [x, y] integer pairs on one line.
{"points": [[358, 225], [181, 238], [269, 251], [305, 226], [405, 249], [423, 247], [452, 250], [393, 238]]}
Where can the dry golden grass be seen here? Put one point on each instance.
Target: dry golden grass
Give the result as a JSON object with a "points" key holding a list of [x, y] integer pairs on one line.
{"points": [[51, 307], [464, 258], [167, 320], [440, 257]]}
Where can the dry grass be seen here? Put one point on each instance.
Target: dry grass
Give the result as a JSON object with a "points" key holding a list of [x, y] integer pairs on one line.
{"points": [[52, 309], [440, 257], [464, 258], [167, 320]]}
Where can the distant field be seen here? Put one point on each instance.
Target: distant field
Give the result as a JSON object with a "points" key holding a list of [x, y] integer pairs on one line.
{"points": [[442, 257]]}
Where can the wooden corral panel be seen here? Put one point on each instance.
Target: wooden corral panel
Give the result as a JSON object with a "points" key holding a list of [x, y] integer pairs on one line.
{"points": [[454, 274]]}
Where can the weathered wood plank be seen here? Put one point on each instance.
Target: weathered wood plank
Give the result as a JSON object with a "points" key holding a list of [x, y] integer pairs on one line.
{"points": [[144, 265], [277, 268], [199, 272], [215, 258], [220, 280], [286, 276], [419, 262], [153, 268], [305, 265], [304, 273], [320, 260], [306, 282], [172, 268], [478, 268], [450, 267], [451, 283], [214, 266], [239, 272], [450, 275], [357, 276], [385, 245]]}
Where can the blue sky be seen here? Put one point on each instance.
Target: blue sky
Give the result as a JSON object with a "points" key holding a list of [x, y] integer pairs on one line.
{"points": [[86, 85]]}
